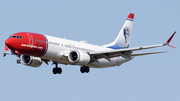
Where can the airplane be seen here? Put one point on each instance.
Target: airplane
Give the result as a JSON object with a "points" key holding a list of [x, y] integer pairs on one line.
{"points": [[33, 49]]}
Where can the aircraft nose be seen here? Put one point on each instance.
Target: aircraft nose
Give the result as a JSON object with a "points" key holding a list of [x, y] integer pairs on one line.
{"points": [[7, 42], [10, 43]]}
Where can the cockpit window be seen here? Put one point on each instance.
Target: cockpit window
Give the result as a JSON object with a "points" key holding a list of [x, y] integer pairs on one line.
{"points": [[19, 37], [13, 37]]}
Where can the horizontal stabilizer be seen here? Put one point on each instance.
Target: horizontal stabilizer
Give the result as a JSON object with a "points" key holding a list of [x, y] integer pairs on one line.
{"points": [[148, 53]]}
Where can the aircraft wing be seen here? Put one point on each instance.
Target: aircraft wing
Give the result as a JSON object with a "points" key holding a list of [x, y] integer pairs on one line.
{"points": [[126, 49], [148, 53], [127, 52], [123, 52]]}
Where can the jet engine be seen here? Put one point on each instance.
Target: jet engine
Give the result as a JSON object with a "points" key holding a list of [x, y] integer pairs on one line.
{"points": [[79, 57], [31, 61]]}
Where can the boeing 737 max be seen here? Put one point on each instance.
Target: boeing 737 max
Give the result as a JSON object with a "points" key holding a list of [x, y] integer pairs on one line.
{"points": [[34, 48]]}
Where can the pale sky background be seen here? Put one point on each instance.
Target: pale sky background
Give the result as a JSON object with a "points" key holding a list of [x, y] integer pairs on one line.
{"points": [[145, 78]]}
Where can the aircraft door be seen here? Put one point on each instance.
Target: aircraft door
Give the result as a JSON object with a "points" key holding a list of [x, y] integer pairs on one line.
{"points": [[30, 39]]}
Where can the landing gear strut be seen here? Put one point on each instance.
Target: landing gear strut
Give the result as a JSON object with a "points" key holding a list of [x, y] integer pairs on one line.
{"points": [[84, 69], [57, 70]]}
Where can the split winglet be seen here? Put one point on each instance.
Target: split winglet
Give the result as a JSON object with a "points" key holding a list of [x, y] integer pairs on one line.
{"points": [[6, 51], [169, 40]]}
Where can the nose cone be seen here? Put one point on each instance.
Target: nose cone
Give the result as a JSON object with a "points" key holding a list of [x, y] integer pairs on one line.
{"points": [[10, 43], [7, 42]]}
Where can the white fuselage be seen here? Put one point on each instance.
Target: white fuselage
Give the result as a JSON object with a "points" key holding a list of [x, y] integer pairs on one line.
{"points": [[59, 49]]}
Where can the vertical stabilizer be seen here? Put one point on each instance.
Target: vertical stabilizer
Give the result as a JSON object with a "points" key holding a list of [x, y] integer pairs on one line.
{"points": [[123, 38]]}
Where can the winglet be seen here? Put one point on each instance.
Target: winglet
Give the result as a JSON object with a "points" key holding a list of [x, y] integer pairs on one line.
{"points": [[169, 40], [5, 50], [4, 54]]}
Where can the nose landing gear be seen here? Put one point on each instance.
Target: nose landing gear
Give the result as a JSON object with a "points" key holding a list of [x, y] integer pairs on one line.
{"points": [[18, 61]]}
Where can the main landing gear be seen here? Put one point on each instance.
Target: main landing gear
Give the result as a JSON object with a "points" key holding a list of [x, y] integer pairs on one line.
{"points": [[84, 69], [57, 70]]}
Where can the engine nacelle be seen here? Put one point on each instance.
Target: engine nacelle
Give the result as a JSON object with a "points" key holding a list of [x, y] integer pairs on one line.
{"points": [[31, 61], [79, 58]]}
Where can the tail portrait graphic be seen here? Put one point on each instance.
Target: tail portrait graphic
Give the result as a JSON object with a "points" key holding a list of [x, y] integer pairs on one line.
{"points": [[123, 38]]}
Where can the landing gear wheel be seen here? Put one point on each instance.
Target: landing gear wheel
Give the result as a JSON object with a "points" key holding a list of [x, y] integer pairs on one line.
{"points": [[84, 69], [54, 70], [18, 61], [87, 69], [57, 70]]}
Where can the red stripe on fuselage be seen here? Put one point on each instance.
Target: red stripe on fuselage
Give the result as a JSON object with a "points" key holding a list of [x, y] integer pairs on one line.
{"points": [[33, 44]]}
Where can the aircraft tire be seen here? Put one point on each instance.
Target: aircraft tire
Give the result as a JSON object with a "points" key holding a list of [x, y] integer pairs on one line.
{"points": [[54, 70], [18, 61], [59, 70], [82, 69], [87, 69]]}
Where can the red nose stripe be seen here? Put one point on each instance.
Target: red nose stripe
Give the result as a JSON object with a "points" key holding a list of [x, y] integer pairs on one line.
{"points": [[33, 44]]}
